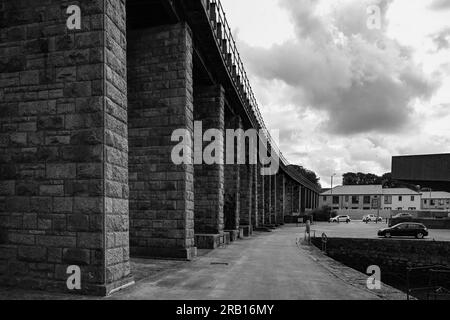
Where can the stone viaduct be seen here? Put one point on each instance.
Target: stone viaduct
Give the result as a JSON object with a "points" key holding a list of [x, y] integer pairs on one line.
{"points": [[86, 119]]}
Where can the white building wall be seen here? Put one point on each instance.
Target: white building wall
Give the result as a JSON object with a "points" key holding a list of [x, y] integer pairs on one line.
{"points": [[406, 204], [439, 204]]}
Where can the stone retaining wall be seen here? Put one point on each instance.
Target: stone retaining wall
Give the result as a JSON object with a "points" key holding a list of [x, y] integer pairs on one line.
{"points": [[393, 254]]}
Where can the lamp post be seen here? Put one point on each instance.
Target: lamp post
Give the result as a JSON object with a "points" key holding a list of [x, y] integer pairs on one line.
{"points": [[334, 175]]}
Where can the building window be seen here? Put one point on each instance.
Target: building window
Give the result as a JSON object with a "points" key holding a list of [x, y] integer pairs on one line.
{"points": [[425, 201], [399, 209], [366, 199], [355, 199], [441, 202], [432, 202], [387, 199], [335, 200], [413, 198], [324, 199], [346, 198], [400, 198]]}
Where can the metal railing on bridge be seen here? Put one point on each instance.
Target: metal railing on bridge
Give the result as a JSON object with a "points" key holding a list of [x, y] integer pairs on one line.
{"points": [[235, 67]]}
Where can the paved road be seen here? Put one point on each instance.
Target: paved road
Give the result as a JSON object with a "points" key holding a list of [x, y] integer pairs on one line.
{"points": [[358, 229], [268, 266]]}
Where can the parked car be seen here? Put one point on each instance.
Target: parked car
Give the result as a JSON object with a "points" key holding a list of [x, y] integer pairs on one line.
{"points": [[341, 219], [417, 230], [371, 217], [403, 215]]}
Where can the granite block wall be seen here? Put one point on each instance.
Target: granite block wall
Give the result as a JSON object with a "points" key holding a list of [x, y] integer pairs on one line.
{"points": [[115, 161], [209, 178], [255, 196], [392, 255], [274, 199], [296, 199], [63, 120], [160, 101], [281, 197], [268, 199], [302, 199], [289, 202], [232, 183], [245, 191], [261, 198]]}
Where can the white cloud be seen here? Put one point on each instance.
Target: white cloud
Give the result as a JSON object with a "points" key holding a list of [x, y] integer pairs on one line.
{"points": [[348, 98]]}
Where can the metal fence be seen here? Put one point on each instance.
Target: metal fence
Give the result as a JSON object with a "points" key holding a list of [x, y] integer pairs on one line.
{"points": [[235, 67], [428, 282]]}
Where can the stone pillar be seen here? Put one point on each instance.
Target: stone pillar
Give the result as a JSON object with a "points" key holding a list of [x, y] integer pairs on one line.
{"points": [[318, 201], [268, 199], [63, 146], [303, 199], [232, 187], [281, 197], [307, 200], [261, 197], [255, 197], [295, 198], [160, 102], [288, 196], [315, 201], [246, 174], [209, 178], [274, 200]]}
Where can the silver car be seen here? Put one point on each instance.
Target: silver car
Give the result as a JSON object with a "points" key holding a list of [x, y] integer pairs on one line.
{"points": [[339, 219]]}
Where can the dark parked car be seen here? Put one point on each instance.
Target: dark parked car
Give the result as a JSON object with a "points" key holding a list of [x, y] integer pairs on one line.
{"points": [[403, 215], [417, 230]]}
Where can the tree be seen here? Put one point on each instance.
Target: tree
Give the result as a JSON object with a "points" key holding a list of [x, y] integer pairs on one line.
{"points": [[308, 174], [352, 179], [386, 180]]}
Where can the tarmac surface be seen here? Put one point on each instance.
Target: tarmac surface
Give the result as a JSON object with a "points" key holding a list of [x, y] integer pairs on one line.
{"points": [[266, 266]]}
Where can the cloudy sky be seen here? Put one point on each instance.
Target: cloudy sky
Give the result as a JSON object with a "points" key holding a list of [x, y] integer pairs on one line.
{"points": [[344, 96]]}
